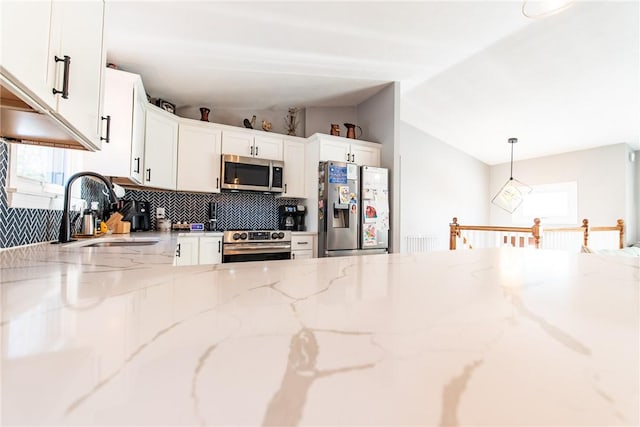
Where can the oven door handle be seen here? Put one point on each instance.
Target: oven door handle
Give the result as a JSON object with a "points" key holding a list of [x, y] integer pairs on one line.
{"points": [[254, 249]]}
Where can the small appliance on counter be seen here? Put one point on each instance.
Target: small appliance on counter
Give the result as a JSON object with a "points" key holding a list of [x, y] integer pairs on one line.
{"points": [[291, 217], [138, 214], [213, 216]]}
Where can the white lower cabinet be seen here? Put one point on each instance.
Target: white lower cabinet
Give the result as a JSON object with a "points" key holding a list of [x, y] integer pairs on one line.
{"points": [[210, 250], [198, 249], [302, 246], [187, 250]]}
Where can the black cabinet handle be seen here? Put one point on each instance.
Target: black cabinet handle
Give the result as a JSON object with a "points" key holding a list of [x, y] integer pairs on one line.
{"points": [[303, 243], [219, 245], [293, 256], [252, 150], [256, 150], [178, 251], [137, 169], [65, 78], [353, 157], [149, 174], [347, 157], [108, 119], [285, 188], [217, 182]]}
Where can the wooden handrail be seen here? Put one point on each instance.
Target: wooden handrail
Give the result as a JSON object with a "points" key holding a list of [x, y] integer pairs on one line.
{"points": [[618, 227], [585, 229], [455, 228]]}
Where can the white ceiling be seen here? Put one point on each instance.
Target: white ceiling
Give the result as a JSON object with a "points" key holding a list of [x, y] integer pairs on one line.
{"points": [[472, 73]]}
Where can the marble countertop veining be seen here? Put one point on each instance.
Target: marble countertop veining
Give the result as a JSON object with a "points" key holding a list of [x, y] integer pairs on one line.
{"points": [[118, 336]]}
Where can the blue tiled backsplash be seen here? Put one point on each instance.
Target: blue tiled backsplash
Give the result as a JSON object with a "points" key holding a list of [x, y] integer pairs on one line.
{"points": [[235, 210]]}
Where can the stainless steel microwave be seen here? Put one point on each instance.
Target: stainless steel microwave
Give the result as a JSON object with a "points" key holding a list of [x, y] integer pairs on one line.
{"points": [[248, 173]]}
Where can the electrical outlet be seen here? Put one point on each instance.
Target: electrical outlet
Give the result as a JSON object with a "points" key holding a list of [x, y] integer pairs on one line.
{"points": [[159, 213]]}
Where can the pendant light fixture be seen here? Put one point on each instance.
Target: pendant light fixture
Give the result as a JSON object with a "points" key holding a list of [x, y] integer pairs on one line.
{"points": [[536, 9], [512, 193]]}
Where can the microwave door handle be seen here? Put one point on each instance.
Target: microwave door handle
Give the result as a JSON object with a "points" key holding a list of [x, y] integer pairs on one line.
{"points": [[270, 175]]}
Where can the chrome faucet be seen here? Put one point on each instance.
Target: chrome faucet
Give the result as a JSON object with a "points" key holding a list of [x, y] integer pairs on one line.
{"points": [[65, 225]]}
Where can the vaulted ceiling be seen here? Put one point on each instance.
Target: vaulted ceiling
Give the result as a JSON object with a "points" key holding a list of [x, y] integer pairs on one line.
{"points": [[472, 73]]}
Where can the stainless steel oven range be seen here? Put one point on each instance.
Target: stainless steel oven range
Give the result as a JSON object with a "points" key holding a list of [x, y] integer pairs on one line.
{"points": [[255, 245]]}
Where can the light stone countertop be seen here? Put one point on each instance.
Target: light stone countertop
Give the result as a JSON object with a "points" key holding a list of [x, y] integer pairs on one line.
{"points": [[495, 337]]}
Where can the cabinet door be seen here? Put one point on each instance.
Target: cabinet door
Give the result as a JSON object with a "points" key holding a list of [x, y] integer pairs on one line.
{"points": [[334, 150], [210, 250], [78, 27], [268, 147], [238, 143], [365, 155], [186, 251], [137, 131], [24, 45], [160, 149], [199, 158], [307, 254], [294, 169], [113, 158]]}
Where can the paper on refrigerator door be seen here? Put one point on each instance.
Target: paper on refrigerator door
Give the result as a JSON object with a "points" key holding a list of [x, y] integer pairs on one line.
{"points": [[370, 235]]}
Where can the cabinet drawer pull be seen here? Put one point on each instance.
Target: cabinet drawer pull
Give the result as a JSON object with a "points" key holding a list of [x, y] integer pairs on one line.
{"points": [[108, 138], [303, 243], [285, 188], [217, 183], [65, 77], [137, 169], [219, 245], [149, 174], [178, 251]]}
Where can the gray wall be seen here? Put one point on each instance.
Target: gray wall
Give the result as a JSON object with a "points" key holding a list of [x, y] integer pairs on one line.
{"points": [[378, 118], [235, 117], [319, 119], [438, 182], [605, 183]]}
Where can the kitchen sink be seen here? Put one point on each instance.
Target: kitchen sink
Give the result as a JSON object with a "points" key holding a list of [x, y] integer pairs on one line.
{"points": [[103, 242], [122, 243]]}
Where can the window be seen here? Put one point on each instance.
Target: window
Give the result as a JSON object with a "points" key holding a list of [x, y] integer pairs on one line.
{"points": [[37, 175], [554, 204]]}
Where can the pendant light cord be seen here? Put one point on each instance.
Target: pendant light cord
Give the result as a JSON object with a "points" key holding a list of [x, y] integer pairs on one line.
{"points": [[511, 173]]}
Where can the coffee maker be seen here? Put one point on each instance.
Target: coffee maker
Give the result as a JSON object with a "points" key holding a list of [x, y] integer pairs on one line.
{"points": [[138, 213], [213, 216], [291, 217]]}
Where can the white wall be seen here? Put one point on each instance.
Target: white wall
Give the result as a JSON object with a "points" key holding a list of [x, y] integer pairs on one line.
{"points": [[602, 174], [235, 117], [319, 119], [438, 182]]}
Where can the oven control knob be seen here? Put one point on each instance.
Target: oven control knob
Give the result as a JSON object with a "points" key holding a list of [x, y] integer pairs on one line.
{"points": [[236, 236], [280, 235], [274, 235], [243, 236]]}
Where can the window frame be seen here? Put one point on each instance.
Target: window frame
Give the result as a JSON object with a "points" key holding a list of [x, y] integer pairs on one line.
{"points": [[28, 193]]}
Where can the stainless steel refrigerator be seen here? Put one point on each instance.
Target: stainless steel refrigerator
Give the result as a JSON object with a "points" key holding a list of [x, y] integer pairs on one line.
{"points": [[353, 209]]}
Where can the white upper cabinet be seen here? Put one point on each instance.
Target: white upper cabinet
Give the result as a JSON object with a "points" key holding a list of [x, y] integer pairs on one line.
{"points": [[80, 39], [53, 51], [339, 149], [24, 45], [294, 169], [365, 153], [160, 149], [199, 153], [124, 102], [248, 144]]}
